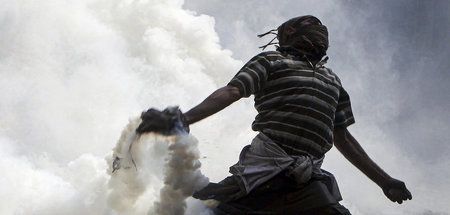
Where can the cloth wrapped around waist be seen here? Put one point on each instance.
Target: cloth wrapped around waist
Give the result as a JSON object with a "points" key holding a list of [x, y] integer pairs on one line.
{"points": [[260, 162]]}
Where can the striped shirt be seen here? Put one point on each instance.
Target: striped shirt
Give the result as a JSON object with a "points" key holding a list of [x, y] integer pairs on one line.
{"points": [[299, 104]]}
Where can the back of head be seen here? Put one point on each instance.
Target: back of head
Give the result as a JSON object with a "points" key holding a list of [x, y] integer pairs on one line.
{"points": [[305, 34]]}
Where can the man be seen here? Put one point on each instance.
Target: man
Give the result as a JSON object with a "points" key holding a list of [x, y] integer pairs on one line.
{"points": [[302, 110]]}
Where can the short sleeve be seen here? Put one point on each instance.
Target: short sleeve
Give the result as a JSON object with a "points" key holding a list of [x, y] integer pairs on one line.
{"points": [[344, 115], [252, 76]]}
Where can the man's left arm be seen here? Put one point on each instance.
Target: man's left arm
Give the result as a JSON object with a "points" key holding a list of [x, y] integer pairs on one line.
{"points": [[394, 189]]}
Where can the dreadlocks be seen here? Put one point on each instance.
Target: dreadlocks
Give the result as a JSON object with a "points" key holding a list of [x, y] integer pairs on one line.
{"points": [[305, 34]]}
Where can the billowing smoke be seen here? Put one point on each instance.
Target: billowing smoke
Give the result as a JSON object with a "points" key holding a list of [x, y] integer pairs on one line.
{"points": [[182, 177], [136, 166], [72, 73]]}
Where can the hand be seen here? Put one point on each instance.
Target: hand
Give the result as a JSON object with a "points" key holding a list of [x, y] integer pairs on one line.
{"points": [[396, 191], [167, 122]]}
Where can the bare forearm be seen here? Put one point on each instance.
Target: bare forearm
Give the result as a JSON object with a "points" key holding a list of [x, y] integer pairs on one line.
{"points": [[217, 101], [353, 151]]}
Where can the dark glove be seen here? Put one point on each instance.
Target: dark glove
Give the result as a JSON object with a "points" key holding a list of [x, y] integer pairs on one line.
{"points": [[396, 191], [167, 122]]}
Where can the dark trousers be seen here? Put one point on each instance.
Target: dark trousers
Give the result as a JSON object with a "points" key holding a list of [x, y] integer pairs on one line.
{"points": [[281, 196]]}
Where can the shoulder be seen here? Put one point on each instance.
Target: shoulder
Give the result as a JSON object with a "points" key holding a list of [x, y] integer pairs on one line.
{"points": [[265, 59], [333, 76], [269, 55]]}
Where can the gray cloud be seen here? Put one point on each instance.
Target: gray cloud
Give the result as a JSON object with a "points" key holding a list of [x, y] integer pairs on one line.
{"points": [[418, 32]]}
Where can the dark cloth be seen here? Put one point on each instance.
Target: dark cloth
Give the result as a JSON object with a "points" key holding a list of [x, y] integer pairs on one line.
{"points": [[170, 121], [299, 102], [281, 195], [309, 35]]}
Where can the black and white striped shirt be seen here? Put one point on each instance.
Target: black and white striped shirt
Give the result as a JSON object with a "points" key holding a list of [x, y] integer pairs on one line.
{"points": [[299, 104]]}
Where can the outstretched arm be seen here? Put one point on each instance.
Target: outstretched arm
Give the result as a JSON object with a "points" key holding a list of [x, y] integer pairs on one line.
{"points": [[164, 121], [217, 101], [394, 189]]}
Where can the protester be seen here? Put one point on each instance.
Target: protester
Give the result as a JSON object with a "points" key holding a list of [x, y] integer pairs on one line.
{"points": [[302, 110]]}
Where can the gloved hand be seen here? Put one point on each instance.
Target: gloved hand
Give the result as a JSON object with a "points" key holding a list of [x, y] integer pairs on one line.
{"points": [[167, 122], [396, 191]]}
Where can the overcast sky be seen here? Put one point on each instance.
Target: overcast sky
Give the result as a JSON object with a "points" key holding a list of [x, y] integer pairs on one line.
{"points": [[73, 72]]}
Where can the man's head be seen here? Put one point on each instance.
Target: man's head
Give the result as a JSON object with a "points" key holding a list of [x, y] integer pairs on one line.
{"points": [[305, 33]]}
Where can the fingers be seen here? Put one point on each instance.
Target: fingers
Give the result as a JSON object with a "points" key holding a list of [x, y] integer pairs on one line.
{"points": [[407, 195], [399, 195], [396, 199], [396, 191], [403, 196], [405, 192]]}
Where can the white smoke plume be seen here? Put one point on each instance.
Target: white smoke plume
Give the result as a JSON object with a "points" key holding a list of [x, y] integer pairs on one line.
{"points": [[71, 73], [182, 176], [134, 167]]}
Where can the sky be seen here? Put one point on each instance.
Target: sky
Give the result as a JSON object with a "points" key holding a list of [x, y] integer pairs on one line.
{"points": [[72, 74]]}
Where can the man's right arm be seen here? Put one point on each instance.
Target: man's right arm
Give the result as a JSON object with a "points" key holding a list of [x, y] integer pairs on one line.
{"points": [[214, 103], [163, 122]]}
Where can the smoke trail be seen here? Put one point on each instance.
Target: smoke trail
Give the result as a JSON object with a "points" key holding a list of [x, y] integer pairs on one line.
{"points": [[137, 159], [182, 176]]}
